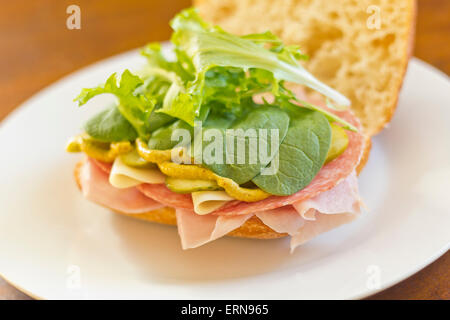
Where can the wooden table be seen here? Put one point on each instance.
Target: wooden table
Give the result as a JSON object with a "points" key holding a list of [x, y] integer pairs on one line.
{"points": [[37, 49]]}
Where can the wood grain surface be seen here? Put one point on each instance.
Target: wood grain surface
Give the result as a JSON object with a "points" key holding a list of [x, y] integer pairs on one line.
{"points": [[37, 49]]}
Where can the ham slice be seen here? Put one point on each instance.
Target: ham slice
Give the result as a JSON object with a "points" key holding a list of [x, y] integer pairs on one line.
{"points": [[321, 224], [326, 211], [96, 187], [307, 219], [282, 220], [342, 198], [104, 166], [196, 230], [302, 220]]}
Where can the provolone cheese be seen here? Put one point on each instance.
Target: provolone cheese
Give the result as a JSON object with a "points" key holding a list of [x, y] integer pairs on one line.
{"points": [[207, 201], [123, 176]]}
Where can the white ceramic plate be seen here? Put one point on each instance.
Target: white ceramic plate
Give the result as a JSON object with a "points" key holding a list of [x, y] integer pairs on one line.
{"points": [[55, 244]]}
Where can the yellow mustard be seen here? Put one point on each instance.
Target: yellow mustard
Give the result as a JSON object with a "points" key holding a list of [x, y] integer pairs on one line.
{"points": [[102, 151], [107, 152]]}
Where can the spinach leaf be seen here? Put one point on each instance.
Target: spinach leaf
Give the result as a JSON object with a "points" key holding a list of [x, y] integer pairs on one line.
{"points": [[219, 120], [110, 126], [243, 166], [301, 154], [161, 139], [157, 120]]}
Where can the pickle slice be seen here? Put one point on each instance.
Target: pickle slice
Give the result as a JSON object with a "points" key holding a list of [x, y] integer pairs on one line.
{"points": [[339, 142], [190, 185], [133, 159]]}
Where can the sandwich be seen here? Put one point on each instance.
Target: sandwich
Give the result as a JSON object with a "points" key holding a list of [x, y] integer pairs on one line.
{"points": [[227, 134]]}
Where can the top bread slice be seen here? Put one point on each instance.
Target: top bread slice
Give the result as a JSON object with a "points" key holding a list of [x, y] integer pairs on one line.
{"points": [[359, 47]]}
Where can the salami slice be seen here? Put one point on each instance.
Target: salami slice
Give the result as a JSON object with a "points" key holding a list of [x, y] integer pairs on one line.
{"points": [[164, 195]]}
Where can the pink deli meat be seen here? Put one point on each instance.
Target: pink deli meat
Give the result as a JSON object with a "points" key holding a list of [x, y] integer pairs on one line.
{"points": [[196, 230], [317, 215], [324, 214], [158, 192], [302, 220], [282, 220], [104, 166], [164, 195], [95, 186]]}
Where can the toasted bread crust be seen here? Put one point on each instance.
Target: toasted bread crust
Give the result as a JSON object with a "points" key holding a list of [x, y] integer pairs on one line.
{"points": [[404, 66], [252, 228]]}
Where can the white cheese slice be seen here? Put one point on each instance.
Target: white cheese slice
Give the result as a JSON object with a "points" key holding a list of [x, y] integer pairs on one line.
{"points": [[123, 176], [207, 201]]}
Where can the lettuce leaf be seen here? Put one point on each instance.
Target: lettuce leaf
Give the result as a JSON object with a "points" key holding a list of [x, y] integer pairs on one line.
{"points": [[209, 47], [210, 70], [182, 66], [134, 106], [290, 54]]}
